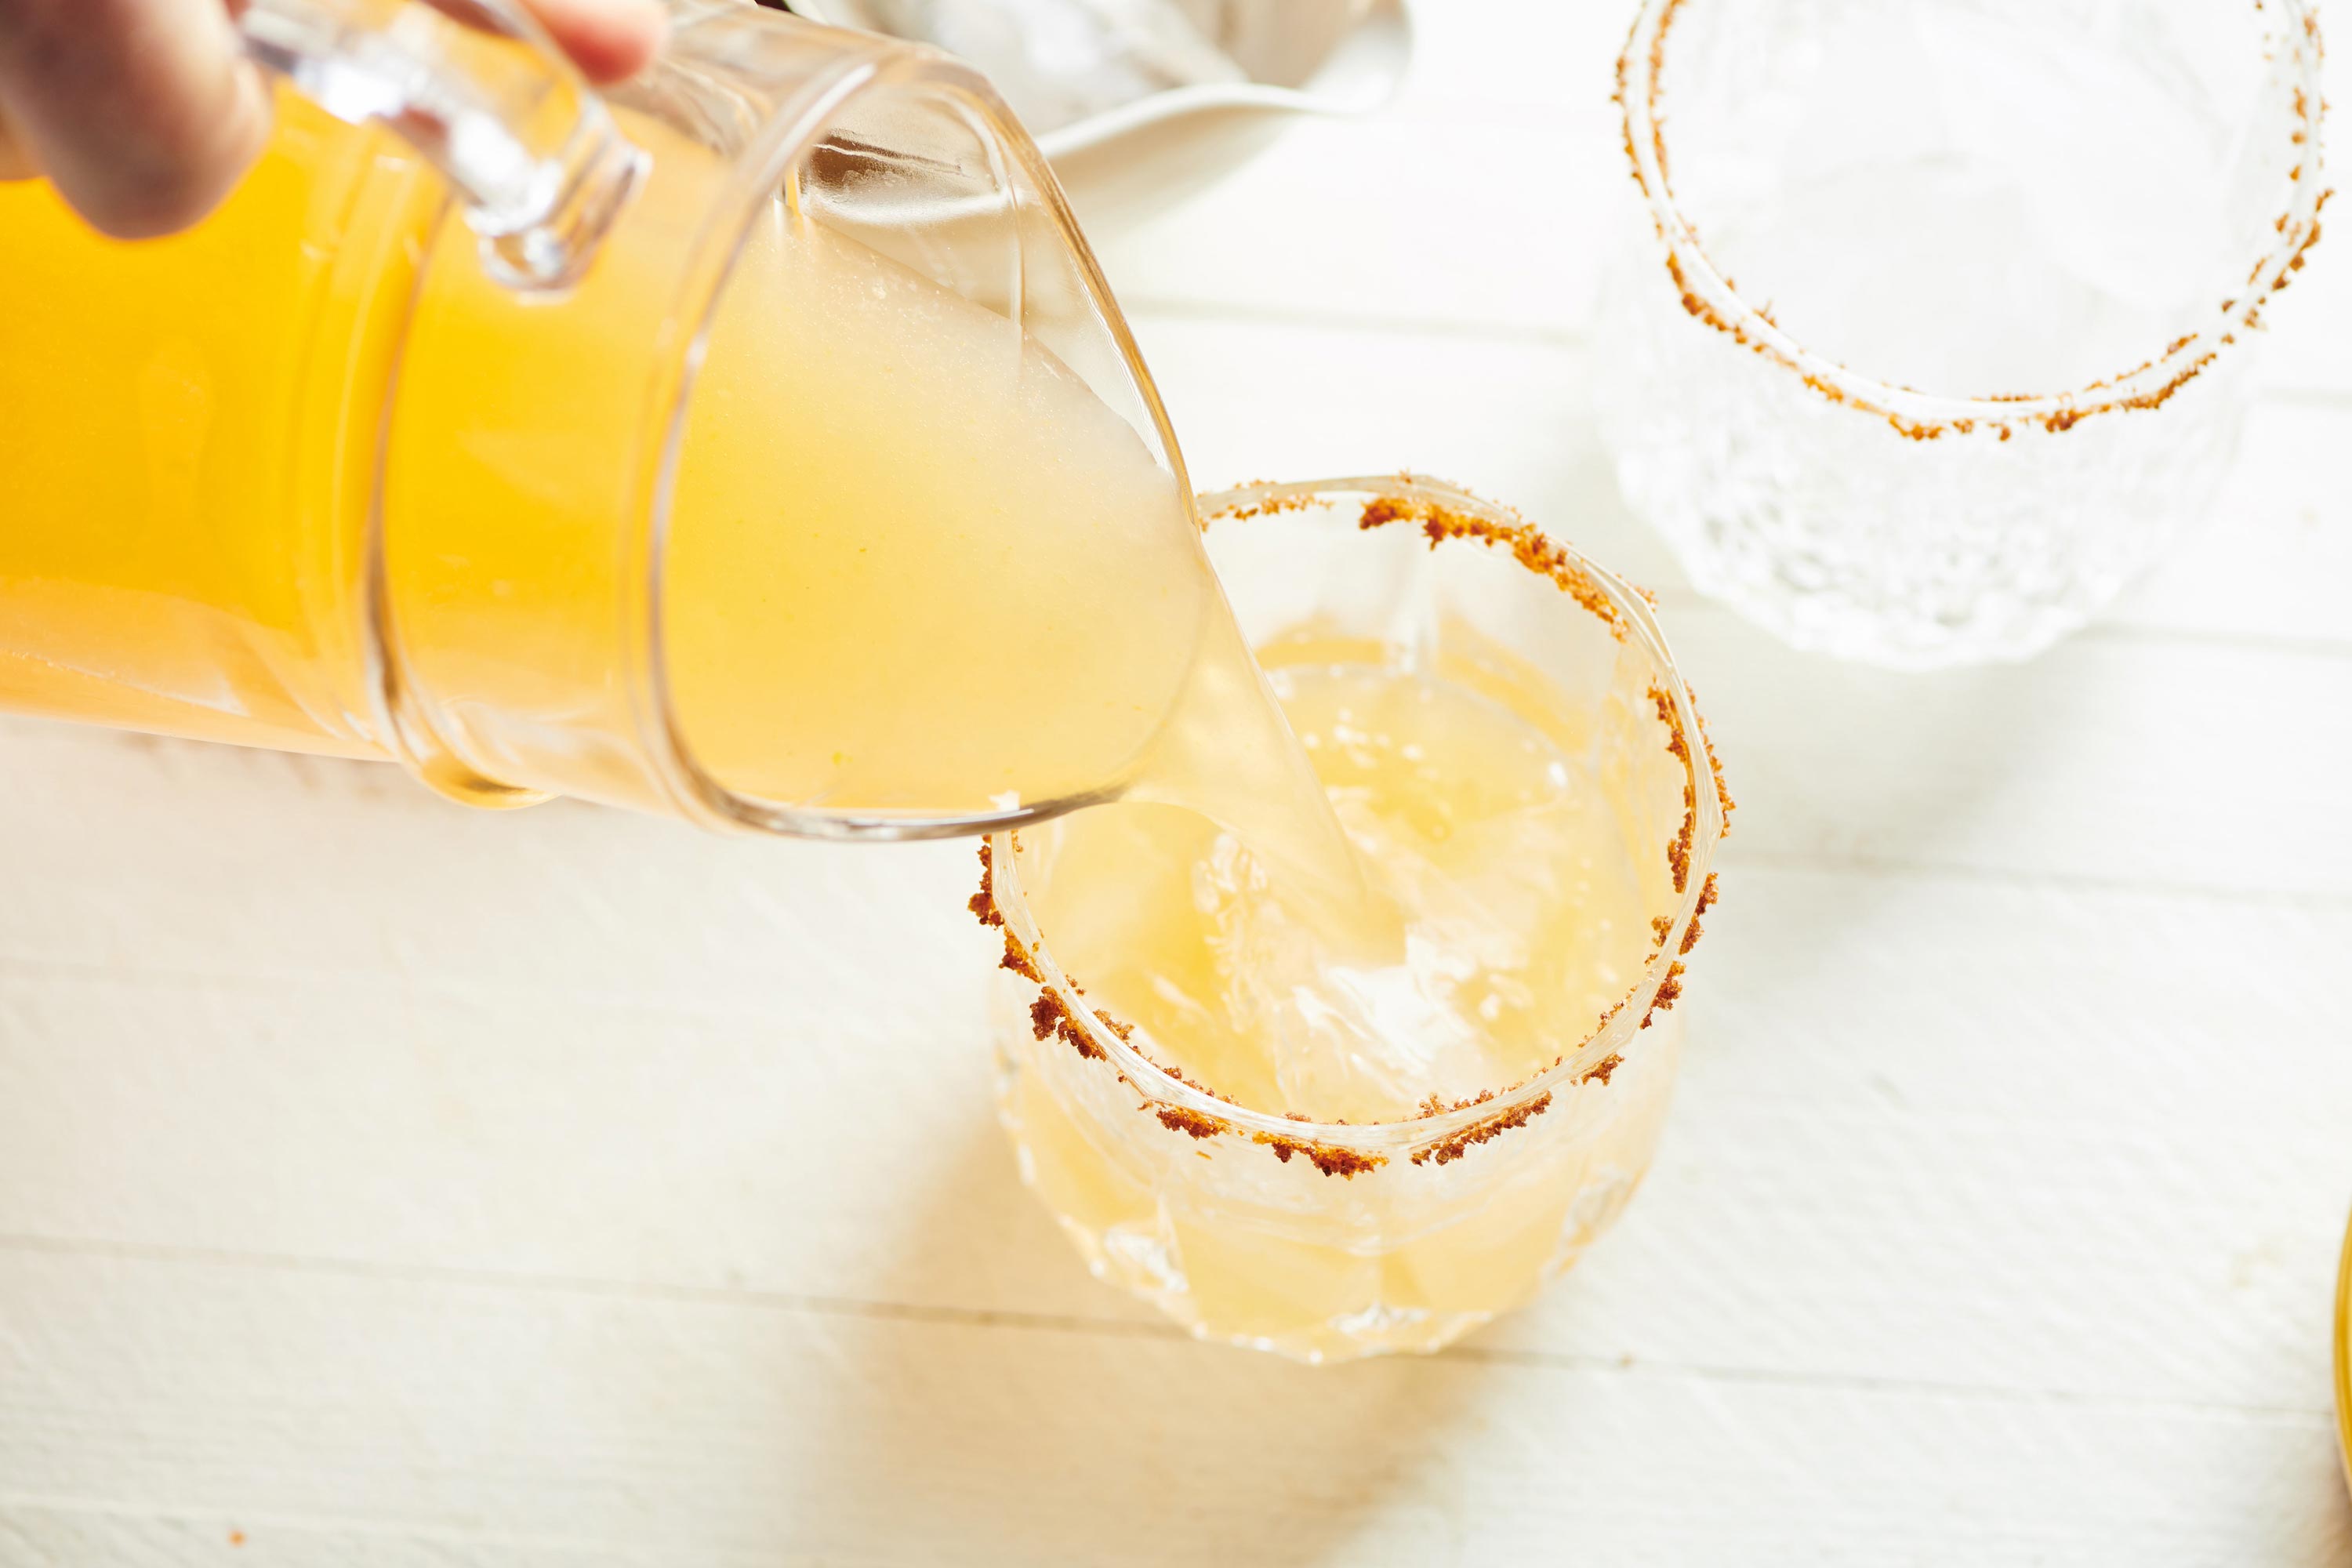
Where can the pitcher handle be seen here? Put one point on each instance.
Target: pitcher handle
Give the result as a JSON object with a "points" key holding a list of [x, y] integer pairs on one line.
{"points": [[531, 152]]}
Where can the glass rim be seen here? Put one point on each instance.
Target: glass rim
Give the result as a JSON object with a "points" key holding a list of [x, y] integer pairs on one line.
{"points": [[2291, 28], [1448, 514]]}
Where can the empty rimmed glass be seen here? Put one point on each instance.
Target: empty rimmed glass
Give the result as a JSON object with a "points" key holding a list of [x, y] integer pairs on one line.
{"points": [[1327, 1241], [1938, 326]]}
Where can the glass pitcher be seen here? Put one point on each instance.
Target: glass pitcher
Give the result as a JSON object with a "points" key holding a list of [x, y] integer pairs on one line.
{"points": [[744, 445]]}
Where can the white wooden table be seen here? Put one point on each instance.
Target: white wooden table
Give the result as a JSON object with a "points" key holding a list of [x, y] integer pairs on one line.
{"points": [[385, 1185]]}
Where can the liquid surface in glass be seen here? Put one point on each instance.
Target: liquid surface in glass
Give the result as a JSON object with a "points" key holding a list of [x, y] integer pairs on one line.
{"points": [[1524, 918]]}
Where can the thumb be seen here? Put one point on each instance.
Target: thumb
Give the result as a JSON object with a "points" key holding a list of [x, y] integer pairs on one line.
{"points": [[143, 112]]}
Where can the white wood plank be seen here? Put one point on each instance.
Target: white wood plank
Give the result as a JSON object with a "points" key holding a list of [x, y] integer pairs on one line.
{"points": [[1485, 223], [1511, 420], [2274, 563], [163, 855], [1931, 1132], [2109, 759], [2160, 763], [2039, 1125], [77, 1532], [1978, 1135], [690, 1432], [1476, 200]]}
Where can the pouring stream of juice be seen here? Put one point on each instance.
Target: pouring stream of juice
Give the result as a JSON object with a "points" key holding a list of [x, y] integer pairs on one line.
{"points": [[979, 583]]}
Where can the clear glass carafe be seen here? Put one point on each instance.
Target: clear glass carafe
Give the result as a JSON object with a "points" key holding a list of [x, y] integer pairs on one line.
{"points": [[527, 437]]}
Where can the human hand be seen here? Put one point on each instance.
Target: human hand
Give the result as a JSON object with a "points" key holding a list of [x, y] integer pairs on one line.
{"points": [[144, 113]]}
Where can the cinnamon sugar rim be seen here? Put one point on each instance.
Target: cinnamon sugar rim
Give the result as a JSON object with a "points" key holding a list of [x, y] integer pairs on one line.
{"points": [[2292, 31], [1441, 1133]]}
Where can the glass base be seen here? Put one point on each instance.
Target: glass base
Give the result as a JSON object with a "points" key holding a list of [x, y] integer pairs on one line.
{"points": [[1913, 565], [1351, 1274]]}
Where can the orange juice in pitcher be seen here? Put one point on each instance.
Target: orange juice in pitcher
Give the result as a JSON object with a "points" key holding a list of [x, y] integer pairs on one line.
{"points": [[763, 473]]}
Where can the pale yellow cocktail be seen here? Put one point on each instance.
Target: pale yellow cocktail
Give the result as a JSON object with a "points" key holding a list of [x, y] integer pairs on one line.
{"points": [[1331, 1151]]}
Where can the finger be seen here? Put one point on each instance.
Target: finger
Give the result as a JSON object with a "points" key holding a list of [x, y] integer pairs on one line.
{"points": [[16, 163], [609, 40], [143, 112]]}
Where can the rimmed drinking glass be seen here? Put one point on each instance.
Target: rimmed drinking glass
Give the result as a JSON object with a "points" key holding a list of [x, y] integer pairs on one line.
{"points": [[1327, 1241], [1940, 324]]}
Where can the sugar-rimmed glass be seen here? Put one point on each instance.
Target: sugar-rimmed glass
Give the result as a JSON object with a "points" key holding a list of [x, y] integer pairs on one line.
{"points": [[1327, 1241], [1942, 315]]}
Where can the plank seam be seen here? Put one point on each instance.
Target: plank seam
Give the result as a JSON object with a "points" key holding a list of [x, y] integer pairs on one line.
{"points": [[2317, 1415]]}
